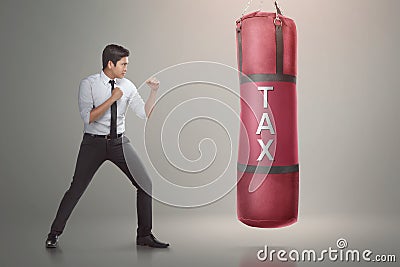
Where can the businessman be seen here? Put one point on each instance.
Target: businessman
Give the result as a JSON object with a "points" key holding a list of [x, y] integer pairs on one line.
{"points": [[103, 102]]}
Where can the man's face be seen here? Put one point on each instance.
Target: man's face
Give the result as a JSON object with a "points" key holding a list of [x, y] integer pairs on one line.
{"points": [[120, 69]]}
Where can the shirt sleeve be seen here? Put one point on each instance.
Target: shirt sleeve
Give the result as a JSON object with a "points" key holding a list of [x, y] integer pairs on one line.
{"points": [[137, 104], [85, 100]]}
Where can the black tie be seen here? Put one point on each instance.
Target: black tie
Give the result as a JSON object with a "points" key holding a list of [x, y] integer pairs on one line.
{"points": [[113, 126]]}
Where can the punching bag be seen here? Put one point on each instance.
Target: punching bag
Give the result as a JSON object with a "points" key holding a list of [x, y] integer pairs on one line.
{"points": [[268, 167]]}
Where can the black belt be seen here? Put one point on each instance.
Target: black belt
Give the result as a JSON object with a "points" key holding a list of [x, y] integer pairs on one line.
{"points": [[103, 136]]}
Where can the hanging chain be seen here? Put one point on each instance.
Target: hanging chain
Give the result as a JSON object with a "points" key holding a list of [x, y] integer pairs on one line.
{"points": [[278, 10], [247, 7], [277, 20]]}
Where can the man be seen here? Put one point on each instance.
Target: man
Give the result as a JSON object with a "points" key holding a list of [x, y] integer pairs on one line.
{"points": [[103, 101]]}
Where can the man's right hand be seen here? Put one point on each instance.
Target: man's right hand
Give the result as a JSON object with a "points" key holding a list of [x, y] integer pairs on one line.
{"points": [[116, 94], [99, 111]]}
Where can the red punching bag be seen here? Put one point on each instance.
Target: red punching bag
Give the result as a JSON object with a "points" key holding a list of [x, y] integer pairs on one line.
{"points": [[268, 167]]}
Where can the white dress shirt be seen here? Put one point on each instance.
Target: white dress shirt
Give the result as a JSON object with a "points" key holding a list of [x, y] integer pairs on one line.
{"points": [[95, 90]]}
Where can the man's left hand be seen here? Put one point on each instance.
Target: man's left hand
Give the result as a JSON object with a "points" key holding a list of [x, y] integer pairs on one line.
{"points": [[153, 83]]}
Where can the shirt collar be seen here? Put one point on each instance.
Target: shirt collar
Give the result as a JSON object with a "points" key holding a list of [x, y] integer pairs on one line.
{"points": [[105, 79]]}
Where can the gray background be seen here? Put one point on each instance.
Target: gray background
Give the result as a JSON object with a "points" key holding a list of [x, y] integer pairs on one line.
{"points": [[348, 129]]}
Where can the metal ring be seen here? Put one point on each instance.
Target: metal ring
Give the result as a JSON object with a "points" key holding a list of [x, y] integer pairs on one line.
{"points": [[277, 19]]}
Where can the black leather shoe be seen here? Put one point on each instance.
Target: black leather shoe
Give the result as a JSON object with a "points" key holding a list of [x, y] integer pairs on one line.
{"points": [[150, 241], [52, 241]]}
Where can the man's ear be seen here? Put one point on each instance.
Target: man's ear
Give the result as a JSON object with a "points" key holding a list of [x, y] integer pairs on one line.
{"points": [[110, 64]]}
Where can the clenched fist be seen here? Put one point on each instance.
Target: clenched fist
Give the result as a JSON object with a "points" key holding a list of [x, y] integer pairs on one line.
{"points": [[116, 93], [153, 83]]}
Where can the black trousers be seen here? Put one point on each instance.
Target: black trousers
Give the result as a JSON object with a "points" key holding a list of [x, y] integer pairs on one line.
{"points": [[92, 153]]}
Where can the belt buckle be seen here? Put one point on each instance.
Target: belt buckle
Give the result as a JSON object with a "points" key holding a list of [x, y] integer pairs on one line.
{"points": [[108, 137]]}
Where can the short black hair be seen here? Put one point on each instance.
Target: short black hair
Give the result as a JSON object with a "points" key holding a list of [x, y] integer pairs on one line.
{"points": [[113, 53]]}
